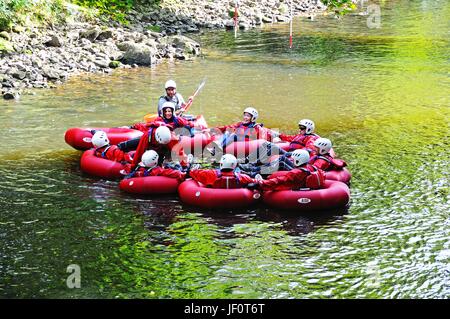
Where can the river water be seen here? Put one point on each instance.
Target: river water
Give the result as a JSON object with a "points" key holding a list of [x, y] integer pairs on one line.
{"points": [[380, 94]]}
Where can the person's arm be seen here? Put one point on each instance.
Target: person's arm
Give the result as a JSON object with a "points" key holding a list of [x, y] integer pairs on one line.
{"points": [[169, 172], [223, 128], [244, 179], [287, 138], [204, 176], [280, 182]]}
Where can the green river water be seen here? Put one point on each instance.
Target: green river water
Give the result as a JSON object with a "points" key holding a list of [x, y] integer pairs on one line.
{"points": [[381, 95]]}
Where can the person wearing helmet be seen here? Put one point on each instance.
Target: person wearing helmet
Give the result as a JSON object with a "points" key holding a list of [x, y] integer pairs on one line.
{"points": [[159, 139], [303, 175], [305, 137], [322, 158], [171, 96], [224, 177], [149, 167], [168, 118], [104, 150], [245, 130]]}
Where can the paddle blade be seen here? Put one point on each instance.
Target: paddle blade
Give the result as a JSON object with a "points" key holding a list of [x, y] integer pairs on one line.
{"points": [[150, 117]]}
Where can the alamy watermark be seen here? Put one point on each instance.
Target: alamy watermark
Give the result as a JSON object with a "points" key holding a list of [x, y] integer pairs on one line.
{"points": [[374, 274], [74, 279], [373, 12]]}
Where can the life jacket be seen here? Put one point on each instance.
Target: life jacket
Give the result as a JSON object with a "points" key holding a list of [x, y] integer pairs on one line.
{"points": [[248, 132], [138, 168], [99, 153], [300, 140], [314, 180], [227, 182], [335, 163]]}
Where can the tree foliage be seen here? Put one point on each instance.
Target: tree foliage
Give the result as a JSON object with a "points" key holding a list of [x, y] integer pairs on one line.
{"points": [[340, 7]]}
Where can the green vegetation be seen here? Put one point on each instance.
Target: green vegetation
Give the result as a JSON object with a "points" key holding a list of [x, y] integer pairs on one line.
{"points": [[49, 11], [340, 7], [5, 46], [154, 28], [115, 9], [30, 11]]}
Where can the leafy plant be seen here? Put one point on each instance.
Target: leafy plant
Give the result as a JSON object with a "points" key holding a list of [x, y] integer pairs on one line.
{"points": [[340, 7]]}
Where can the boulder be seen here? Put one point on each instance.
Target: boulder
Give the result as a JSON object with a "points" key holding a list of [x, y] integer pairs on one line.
{"points": [[54, 41], [91, 34], [137, 53]]}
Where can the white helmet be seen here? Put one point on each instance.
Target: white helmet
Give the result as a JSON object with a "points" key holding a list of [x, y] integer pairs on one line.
{"points": [[100, 139], [228, 161], [170, 105], [150, 159], [308, 124], [323, 144], [253, 112], [163, 135], [170, 84], [300, 157]]}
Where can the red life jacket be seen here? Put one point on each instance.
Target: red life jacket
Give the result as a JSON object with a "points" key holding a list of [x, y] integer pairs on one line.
{"points": [[248, 132], [335, 163], [100, 152], [300, 141], [227, 182], [314, 180]]}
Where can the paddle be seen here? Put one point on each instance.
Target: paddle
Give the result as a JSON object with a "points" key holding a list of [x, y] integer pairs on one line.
{"points": [[191, 99], [151, 117]]}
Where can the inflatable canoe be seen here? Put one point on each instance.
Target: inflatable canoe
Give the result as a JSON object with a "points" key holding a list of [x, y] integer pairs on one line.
{"points": [[100, 167], [80, 138], [150, 185], [342, 175], [334, 195], [196, 195]]}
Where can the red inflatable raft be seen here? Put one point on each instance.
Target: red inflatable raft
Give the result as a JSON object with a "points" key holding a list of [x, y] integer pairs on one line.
{"points": [[193, 194], [80, 138], [342, 175], [334, 195], [150, 185], [100, 167]]}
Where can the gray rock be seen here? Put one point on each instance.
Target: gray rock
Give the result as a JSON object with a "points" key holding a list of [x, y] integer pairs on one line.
{"points": [[138, 54], [54, 41], [50, 73], [105, 34], [5, 35], [11, 95], [19, 75], [101, 63], [91, 34]]}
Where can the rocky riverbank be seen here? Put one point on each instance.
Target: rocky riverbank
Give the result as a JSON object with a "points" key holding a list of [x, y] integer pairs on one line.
{"points": [[35, 57]]}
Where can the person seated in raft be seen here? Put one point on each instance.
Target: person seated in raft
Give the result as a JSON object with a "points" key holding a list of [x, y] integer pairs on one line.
{"points": [[303, 175], [104, 150], [303, 140], [159, 139], [168, 118], [172, 96], [305, 137], [149, 167], [225, 177], [246, 130], [321, 157]]}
